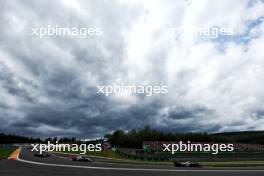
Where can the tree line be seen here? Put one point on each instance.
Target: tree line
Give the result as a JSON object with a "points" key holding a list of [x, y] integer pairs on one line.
{"points": [[12, 138], [135, 138]]}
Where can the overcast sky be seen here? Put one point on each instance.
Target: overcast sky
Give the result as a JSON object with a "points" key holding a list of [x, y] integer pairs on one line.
{"points": [[48, 85]]}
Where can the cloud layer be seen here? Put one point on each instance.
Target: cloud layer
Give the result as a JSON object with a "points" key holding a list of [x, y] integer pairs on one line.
{"points": [[48, 86]]}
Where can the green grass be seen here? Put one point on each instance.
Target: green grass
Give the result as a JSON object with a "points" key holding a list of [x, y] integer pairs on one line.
{"points": [[6, 150]]}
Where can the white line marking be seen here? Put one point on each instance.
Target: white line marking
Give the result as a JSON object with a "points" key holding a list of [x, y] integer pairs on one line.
{"points": [[132, 169]]}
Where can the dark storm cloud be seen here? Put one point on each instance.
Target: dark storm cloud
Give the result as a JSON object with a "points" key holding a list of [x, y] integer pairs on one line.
{"points": [[260, 114], [69, 101], [14, 85], [85, 124], [184, 112]]}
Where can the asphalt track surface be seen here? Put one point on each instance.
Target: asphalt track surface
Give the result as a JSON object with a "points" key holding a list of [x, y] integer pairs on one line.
{"points": [[61, 165]]}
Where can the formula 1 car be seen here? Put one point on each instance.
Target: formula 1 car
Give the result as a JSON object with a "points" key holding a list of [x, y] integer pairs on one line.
{"points": [[82, 158], [186, 164]]}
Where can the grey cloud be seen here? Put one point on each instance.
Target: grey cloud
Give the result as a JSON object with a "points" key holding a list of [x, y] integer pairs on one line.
{"points": [[14, 84], [58, 96], [184, 113]]}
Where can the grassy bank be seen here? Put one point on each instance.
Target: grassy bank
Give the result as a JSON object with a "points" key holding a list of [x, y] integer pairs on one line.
{"points": [[6, 150]]}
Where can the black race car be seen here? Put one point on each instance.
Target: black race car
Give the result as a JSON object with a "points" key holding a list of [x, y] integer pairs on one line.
{"points": [[82, 158], [186, 164]]}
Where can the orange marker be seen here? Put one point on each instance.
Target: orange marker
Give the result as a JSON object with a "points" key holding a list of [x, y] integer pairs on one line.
{"points": [[15, 154]]}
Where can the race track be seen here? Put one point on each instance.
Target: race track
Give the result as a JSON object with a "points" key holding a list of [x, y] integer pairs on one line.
{"points": [[58, 165]]}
